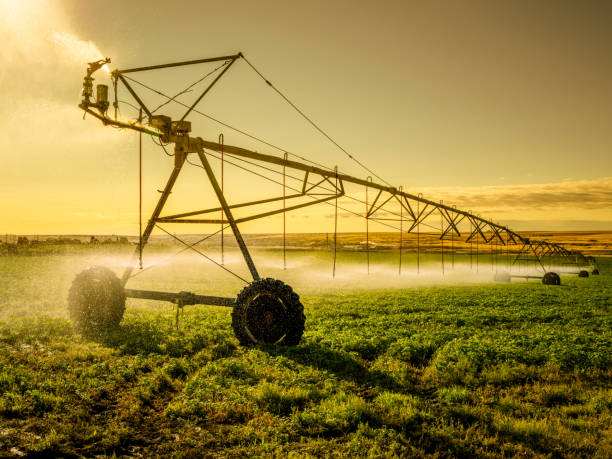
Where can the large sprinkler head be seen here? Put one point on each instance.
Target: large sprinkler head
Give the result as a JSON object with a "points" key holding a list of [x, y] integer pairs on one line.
{"points": [[101, 90], [97, 65]]}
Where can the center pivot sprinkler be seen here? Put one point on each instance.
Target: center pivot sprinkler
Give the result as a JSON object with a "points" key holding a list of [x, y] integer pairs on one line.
{"points": [[268, 310]]}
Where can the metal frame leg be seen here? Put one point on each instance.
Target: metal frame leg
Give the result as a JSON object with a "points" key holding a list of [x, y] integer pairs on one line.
{"points": [[229, 215]]}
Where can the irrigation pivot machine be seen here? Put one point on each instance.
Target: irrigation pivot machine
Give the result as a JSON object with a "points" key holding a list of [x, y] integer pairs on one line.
{"points": [[268, 310]]}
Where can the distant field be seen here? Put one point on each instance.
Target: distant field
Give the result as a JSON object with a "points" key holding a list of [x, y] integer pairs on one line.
{"points": [[595, 243], [417, 365]]}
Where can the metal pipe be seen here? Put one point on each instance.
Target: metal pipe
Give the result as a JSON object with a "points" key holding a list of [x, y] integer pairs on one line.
{"points": [[230, 217], [120, 124], [238, 151], [186, 298], [369, 178], [140, 193], [477, 220], [179, 64], [208, 88], [221, 141], [442, 238], [233, 206], [401, 235], [135, 96], [247, 219], [418, 237], [284, 219], [335, 224]]}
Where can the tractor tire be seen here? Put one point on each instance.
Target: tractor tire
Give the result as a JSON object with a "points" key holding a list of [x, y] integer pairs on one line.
{"points": [[595, 272], [269, 311], [583, 274], [96, 300], [502, 276], [551, 278]]}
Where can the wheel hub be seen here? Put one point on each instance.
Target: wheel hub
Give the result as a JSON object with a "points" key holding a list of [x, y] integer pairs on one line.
{"points": [[268, 311], [266, 318]]}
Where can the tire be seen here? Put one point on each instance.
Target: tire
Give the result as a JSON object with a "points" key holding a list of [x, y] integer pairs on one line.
{"points": [[583, 274], [269, 311], [502, 276], [551, 278], [96, 300], [595, 272]]}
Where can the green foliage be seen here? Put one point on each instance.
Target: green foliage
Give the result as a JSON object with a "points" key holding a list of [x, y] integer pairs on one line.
{"points": [[337, 415], [457, 371], [281, 400]]}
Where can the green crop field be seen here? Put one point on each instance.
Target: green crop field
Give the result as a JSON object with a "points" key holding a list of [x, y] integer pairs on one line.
{"points": [[453, 370]]}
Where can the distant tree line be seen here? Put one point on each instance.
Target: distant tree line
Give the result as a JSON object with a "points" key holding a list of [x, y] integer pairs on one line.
{"points": [[13, 243]]}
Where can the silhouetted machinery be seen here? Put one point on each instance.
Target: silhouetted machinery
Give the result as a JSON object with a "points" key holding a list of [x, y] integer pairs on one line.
{"points": [[266, 310]]}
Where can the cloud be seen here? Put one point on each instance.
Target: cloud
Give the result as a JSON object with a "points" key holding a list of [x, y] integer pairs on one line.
{"points": [[43, 62], [569, 194]]}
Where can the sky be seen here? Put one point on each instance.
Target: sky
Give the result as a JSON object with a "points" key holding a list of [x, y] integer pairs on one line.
{"points": [[502, 107]]}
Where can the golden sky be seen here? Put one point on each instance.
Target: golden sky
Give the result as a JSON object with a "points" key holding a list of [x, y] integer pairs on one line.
{"points": [[500, 107]]}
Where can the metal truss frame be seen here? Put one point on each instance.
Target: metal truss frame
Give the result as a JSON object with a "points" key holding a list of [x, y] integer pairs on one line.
{"points": [[414, 209]]}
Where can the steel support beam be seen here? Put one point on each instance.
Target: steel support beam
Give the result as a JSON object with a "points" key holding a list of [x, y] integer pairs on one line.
{"points": [[180, 64], [229, 215]]}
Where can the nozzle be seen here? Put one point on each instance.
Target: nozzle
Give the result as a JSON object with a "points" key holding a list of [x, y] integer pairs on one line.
{"points": [[93, 66]]}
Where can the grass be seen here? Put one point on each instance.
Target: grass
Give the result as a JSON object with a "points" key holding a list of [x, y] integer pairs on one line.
{"points": [[488, 370]]}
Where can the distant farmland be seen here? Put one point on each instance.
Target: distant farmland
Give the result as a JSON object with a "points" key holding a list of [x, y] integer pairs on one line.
{"points": [[595, 243]]}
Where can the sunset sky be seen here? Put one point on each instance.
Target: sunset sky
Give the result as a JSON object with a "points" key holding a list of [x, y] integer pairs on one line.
{"points": [[502, 107]]}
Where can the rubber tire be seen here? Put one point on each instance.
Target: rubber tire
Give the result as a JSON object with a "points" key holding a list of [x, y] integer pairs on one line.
{"points": [[502, 276], [284, 294], [583, 274], [551, 278], [595, 272], [96, 300]]}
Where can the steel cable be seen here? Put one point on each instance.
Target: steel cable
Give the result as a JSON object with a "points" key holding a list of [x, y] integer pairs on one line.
{"points": [[208, 236], [313, 123], [235, 129], [172, 99], [204, 255]]}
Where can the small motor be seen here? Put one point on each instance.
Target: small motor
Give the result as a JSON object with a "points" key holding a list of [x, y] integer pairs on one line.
{"points": [[101, 90], [102, 98]]}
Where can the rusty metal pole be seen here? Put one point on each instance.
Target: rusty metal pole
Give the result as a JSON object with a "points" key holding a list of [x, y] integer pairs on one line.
{"points": [[369, 179], [401, 235], [494, 248], [228, 213], [442, 237], [284, 218], [507, 252], [221, 141], [335, 222], [477, 253], [140, 192], [453, 247], [419, 235], [471, 243]]}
